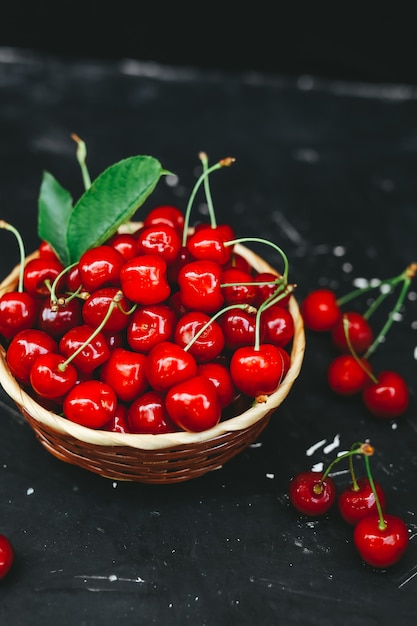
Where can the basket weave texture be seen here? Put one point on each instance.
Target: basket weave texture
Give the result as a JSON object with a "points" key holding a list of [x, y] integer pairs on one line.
{"points": [[162, 458]]}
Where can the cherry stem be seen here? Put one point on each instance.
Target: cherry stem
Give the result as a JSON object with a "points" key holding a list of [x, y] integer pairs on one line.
{"points": [[354, 353], [244, 307], [384, 330], [232, 242], [53, 296], [382, 523], [204, 159], [223, 163], [7, 226], [113, 304], [81, 156], [362, 448]]}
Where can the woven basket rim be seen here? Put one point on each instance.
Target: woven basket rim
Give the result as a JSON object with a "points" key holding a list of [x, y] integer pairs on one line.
{"points": [[166, 440]]}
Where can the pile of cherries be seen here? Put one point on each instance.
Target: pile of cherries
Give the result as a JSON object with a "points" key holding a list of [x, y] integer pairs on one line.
{"points": [[380, 537], [159, 329], [386, 394]]}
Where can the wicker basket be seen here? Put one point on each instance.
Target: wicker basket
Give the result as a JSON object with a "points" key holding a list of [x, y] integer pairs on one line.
{"points": [[164, 458]]}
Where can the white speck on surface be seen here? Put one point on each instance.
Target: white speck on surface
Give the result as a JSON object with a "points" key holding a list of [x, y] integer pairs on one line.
{"points": [[112, 578], [315, 447], [258, 444], [318, 467], [30, 491], [415, 352], [412, 295], [360, 283], [171, 180], [339, 251], [394, 426], [347, 268], [397, 317], [114, 485], [335, 444], [270, 475]]}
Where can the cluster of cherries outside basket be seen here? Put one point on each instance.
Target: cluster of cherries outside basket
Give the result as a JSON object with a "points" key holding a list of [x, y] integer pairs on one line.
{"points": [[151, 330]]}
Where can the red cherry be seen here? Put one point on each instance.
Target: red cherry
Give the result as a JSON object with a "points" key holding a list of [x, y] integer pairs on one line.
{"points": [[96, 307], [124, 371], [150, 325], [311, 494], [194, 404], [359, 332], [125, 243], [277, 325], [148, 415], [40, 273], [258, 372], [94, 354], [168, 364], [208, 345], [48, 379], [208, 244], [237, 261], [265, 291], [238, 328], [219, 375], [381, 547], [23, 350], [46, 251], [346, 376], [100, 267], [160, 239], [165, 214], [6, 556], [57, 319], [200, 286], [320, 310], [144, 280], [119, 422], [388, 398], [358, 500], [91, 403], [240, 291], [18, 310]]}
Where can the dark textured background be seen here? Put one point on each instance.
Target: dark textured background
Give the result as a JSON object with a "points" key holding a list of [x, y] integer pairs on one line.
{"points": [[325, 168]]}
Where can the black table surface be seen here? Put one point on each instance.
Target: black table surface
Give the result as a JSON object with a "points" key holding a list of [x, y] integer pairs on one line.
{"points": [[326, 170]]}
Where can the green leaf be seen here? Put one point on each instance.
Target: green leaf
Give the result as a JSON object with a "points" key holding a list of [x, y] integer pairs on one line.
{"points": [[54, 210], [112, 199]]}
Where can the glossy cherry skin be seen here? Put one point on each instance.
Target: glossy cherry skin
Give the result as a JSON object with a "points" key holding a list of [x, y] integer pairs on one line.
{"points": [[381, 548], [310, 494], [149, 325], [94, 353], [346, 376], [238, 328], [91, 403], [125, 243], [46, 251], [166, 214], [194, 405], [56, 320], [219, 374], [160, 239], [40, 273], [125, 372], [389, 397], [144, 279], [96, 307], [359, 332], [100, 267], [119, 422], [320, 310], [258, 372], [6, 556], [277, 325], [18, 310], [274, 287], [237, 261], [24, 348], [241, 291], [208, 244], [200, 286], [354, 504], [168, 364], [48, 380], [148, 415], [208, 345]]}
